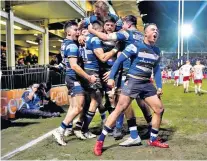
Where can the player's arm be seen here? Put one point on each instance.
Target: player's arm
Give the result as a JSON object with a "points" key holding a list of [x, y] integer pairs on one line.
{"points": [[72, 53], [157, 76], [127, 53], [103, 57], [98, 50], [84, 23], [115, 36], [78, 69]]}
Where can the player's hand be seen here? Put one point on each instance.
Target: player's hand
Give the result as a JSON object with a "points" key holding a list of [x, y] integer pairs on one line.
{"points": [[92, 79], [119, 53], [111, 83], [82, 40], [159, 91], [106, 76], [90, 28]]}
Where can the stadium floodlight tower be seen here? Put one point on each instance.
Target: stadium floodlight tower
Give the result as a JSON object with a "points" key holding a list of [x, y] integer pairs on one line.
{"points": [[187, 30]]}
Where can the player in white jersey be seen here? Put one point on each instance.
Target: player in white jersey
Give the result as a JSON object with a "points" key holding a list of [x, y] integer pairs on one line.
{"points": [[169, 74], [176, 77], [198, 76], [186, 70]]}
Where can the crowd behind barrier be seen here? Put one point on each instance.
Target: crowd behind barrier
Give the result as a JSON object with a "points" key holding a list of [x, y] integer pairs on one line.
{"points": [[23, 76], [170, 61]]}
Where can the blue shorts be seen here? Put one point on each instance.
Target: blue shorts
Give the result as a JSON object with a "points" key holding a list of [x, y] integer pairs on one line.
{"points": [[136, 88], [74, 86]]}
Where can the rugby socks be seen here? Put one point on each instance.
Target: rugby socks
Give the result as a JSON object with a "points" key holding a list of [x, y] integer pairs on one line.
{"points": [[199, 88], [154, 134], [196, 89], [132, 128], [104, 132], [187, 85], [70, 126], [78, 125], [87, 120], [120, 121], [62, 127], [103, 116]]}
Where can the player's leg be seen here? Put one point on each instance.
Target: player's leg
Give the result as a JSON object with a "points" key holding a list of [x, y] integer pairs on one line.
{"points": [[177, 81], [76, 106], [199, 87], [196, 86], [134, 138], [187, 85], [96, 98], [145, 110], [184, 86], [155, 103], [123, 103]]}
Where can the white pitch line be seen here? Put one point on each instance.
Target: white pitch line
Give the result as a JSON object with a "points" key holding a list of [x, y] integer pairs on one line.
{"points": [[26, 146]]}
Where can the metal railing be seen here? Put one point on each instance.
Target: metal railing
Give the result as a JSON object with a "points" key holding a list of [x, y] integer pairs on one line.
{"points": [[24, 76]]}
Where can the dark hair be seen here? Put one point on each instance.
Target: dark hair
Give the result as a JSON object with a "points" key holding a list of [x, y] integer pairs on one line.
{"points": [[97, 22], [148, 24], [69, 24], [131, 18], [110, 19]]}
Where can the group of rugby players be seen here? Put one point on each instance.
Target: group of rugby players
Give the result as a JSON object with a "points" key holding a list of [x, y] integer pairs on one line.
{"points": [[106, 57], [190, 72]]}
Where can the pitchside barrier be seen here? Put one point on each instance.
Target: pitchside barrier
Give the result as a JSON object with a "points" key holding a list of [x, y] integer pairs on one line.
{"points": [[15, 82]]}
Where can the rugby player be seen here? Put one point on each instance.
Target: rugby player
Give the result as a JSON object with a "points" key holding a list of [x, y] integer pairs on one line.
{"points": [[145, 57]]}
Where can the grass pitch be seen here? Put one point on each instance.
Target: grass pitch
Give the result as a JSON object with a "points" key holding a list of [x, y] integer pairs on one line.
{"points": [[184, 126]]}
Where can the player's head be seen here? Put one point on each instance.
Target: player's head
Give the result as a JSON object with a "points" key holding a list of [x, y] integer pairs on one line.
{"points": [[151, 33], [129, 21], [101, 9], [97, 26], [187, 62], [71, 30], [84, 31], [198, 62], [109, 25]]}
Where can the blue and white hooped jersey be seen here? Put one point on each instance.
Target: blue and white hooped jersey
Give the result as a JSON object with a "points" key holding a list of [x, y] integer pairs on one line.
{"points": [[144, 59], [90, 60], [129, 37], [69, 49]]}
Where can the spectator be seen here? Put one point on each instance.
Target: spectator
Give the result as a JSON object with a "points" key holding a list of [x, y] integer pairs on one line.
{"points": [[21, 62], [53, 61], [3, 60], [28, 59], [31, 100], [34, 59]]}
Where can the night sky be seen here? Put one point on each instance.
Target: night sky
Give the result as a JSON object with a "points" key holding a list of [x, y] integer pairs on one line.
{"points": [[165, 15]]}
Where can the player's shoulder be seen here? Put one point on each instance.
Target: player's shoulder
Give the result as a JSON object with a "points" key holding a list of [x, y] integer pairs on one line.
{"points": [[94, 38], [132, 48], [126, 33], [71, 46]]}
